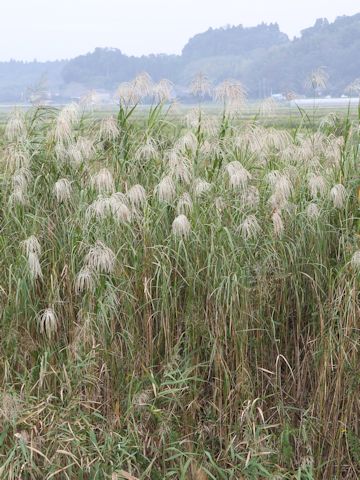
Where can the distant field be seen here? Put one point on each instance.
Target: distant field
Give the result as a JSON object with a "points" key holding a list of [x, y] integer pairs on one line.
{"points": [[282, 114]]}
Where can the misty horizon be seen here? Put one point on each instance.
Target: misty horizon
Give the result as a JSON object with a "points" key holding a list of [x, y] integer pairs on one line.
{"points": [[50, 32]]}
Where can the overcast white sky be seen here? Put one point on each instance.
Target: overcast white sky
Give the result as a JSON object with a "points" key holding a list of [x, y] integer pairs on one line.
{"points": [[50, 29]]}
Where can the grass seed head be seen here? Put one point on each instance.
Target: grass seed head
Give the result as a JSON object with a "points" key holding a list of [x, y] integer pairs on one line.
{"points": [[31, 245], [137, 196], [312, 211], [277, 223], [338, 195], [49, 323], [184, 205], [166, 190], [109, 129], [200, 187], [15, 129], [62, 190], [103, 181], [317, 186], [250, 227], [85, 281], [100, 258], [355, 261], [162, 91], [181, 226]]}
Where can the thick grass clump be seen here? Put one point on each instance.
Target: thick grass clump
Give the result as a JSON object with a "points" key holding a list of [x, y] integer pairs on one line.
{"points": [[178, 300]]}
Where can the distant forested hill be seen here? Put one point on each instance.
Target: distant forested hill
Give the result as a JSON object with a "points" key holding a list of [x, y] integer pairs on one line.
{"points": [[19, 80], [262, 57]]}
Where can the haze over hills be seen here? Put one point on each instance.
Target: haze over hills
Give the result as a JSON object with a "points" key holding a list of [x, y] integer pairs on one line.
{"points": [[263, 58]]}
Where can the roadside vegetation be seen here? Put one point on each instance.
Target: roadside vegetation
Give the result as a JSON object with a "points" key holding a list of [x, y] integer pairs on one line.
{"points": [[179, 298]]}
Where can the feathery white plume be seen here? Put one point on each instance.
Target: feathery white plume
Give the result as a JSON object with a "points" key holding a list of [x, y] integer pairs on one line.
{"points": [[312, 211], [338, 195], [103, 181], [109, 129], [100, 258], [238, 175], [62, 190], [181, 226], [200, 86], [162, 91], [15, 129], [200, 187], [136, 196], [355, 260], [31, 244], [317, 186], [184, 205], [85, 280], [250, 227], [166, 190], [48, 322], [277, 223]]}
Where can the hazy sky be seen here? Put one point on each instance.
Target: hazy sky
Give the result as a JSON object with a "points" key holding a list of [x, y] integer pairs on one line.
{"points": [[50, 29]]}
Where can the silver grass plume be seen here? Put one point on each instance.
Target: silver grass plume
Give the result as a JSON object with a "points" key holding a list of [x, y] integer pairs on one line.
{"points": [[355, 261], [238, 175], [267, 107], [162, 91], [187, 142], [65, 122], [147, 151], [166, 190], [136, 196], [282, 190], [18, 197], [103, 181], [89, 100], [250, 227], [251, 197], [143, 85], [100, 258], [354, 88], [277, 223], [20, 180], [200, 187], [127, 94], [15, 129], [338, 195], [86, 147], [220, 204], [62, 190], [317, 80], [31, 245], [120, 210], [312, 211], [194, 117], [48, 322], [181, 226], [231, 93], [109, 129], [114, 206], [184, 205], [16, 156], [317, 186], [73, 154], [85, 281], [178, 166], [32, 250], [200, 86]]}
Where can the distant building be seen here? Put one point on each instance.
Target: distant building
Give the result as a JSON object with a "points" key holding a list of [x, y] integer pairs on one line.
{"points": [[279, 97]]}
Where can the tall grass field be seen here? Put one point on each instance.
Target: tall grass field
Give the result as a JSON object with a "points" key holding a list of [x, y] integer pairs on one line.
{"points": [[179, 294]]}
